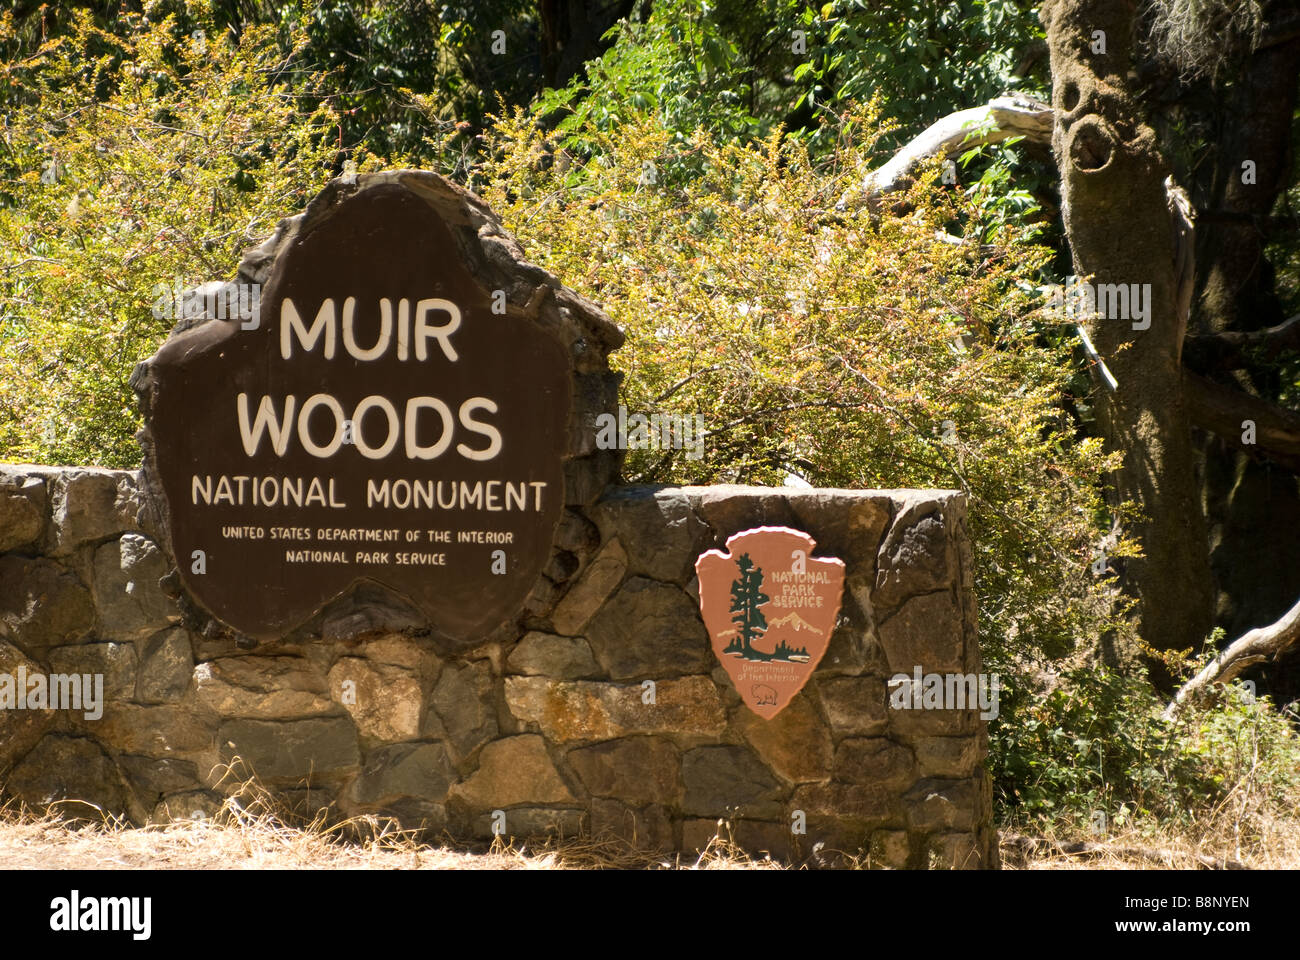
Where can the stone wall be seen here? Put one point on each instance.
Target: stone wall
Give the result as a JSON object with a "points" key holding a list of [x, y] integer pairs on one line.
{"points": [[550, 721]]}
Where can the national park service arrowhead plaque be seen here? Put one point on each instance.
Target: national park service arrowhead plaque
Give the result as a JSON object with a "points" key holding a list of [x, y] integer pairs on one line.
{"points": [[770, 608]]}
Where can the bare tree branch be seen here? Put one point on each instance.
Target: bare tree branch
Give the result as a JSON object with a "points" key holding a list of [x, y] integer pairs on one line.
{"points": [[1262, 643], [998, 120], [1225, 411], [1231, 349]]}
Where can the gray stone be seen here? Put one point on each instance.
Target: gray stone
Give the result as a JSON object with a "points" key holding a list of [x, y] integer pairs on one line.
{"points": [[561, 566], [131, 604], [168, 664], [638, 770], [913, 723], [586, 478], [154, 731], [385, 700], [297, 750], [19, 729], [152, 778], [270, 688], [867, 804], [582, 710], [73, 774], [116, 662], [926, 632], [189, 806], [854, 705], [934, 804], [759, 839], [577, 534], [649, 629], [846, 524], [891, 849], [464, 702], [425, 817], [598, 581], [955, 851], [533, 822], [854, 648], [795, 743], [367, 609], [22, 511], [41, 605], [399, 650], [722, 780], [543, 597], [421, 770], [307, 802], [730, 508], [512, 772], [648, 828], [861, 802], [545, 654], [657, 527], [916, 556], [874, 760], [947, 756], [90, 505]]}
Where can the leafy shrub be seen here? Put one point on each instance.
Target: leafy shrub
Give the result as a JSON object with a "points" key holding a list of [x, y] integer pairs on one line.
{"points": [[830, 346], [1095, 752], [131, 162]]}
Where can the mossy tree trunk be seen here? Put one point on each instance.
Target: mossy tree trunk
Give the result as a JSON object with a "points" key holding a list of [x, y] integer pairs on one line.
{"points": [[1122, 231]]}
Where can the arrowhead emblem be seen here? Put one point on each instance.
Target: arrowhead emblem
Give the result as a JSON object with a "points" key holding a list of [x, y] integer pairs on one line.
{"points": [[770, 608]]}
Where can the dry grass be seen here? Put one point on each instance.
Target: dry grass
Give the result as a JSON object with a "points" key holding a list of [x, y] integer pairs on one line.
{"points": [[252, 831], [1277, 847], [244, 840], [263, 842]]}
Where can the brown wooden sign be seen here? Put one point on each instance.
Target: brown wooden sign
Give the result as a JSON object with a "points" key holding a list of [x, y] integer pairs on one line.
{"points": [[381, 419], [770, 608]]}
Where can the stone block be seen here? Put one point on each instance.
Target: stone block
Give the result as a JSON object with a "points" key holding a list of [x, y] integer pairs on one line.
{"points": [[131, 604], [602, 576], [649, 629], [513, 771], [72, 774], [268, 688], [725, 780], [293, 750], [385, 700], [42, 605], [582, 710], [638, 770], [795, 743], [22, 510], [548, 655], [166, 668], [115, 662]]}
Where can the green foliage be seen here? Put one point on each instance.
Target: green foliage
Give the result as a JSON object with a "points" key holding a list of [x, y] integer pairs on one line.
{"points": [[741, 68], [842, 350], [1096, 743], [130, 164]]}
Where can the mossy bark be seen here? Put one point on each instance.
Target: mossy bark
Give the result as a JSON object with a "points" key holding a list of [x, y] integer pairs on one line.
{"points": [[1121, 231]]}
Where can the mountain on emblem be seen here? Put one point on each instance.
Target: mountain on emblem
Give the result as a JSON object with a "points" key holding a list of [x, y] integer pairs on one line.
{"points": [[770, 608]]}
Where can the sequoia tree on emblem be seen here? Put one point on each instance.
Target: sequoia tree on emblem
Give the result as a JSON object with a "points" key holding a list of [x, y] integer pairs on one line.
{"points": [[770, 608]]}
